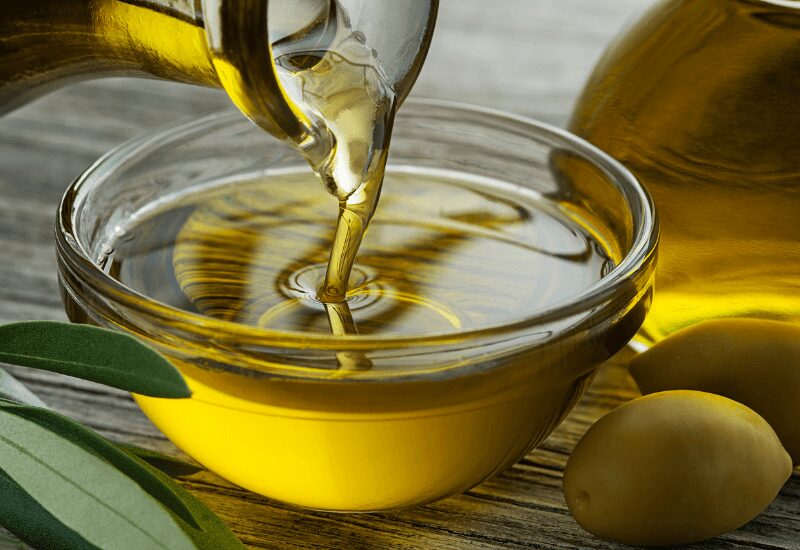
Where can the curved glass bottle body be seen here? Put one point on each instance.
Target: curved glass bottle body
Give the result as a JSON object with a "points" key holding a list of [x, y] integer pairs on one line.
{"points": [[699, 100], [45, 44], [48, 43]]}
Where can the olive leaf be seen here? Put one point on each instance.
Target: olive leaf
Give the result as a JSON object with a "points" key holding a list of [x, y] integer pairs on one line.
{"points": [[91, 353], [64, 486], [215, 534], [204, 528], [170, 465], [13, 389], [84, 492], [27, 519], [81, 436]]}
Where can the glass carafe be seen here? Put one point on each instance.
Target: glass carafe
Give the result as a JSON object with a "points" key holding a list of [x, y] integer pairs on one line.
{"points": [[700, 100], [231, 44]]}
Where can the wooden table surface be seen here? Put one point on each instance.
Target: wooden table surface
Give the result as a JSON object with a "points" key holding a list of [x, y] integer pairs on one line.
{"points": [[526, 56]]}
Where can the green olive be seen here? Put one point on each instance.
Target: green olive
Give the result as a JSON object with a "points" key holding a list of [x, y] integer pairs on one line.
{"points": [[674, 468], [754, 362]]}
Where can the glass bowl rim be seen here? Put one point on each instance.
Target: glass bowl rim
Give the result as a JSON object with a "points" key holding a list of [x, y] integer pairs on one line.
{"points": [[645, 239]]}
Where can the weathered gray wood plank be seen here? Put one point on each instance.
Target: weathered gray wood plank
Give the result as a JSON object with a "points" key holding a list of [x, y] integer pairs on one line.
{"points": [[526, 56]]}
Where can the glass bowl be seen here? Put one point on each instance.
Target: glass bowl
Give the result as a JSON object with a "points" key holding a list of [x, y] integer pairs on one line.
{"points": [[437, 413]]}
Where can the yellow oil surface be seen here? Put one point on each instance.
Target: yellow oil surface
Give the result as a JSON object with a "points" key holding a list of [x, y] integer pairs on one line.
{"points": [[443, 255]]}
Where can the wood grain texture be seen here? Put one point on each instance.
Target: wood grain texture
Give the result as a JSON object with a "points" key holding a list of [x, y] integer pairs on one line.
{"points": [[526, 56]]}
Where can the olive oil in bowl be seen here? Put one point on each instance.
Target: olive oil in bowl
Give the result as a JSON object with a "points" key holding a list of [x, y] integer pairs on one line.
{"points": [[484, 293]]}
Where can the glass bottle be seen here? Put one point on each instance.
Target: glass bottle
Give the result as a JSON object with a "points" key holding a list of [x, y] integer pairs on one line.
{"points": [[231, 44], [699, 100]]}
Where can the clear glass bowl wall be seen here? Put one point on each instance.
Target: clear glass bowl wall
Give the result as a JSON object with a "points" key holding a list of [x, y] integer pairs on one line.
{"points": [[436, 414]]}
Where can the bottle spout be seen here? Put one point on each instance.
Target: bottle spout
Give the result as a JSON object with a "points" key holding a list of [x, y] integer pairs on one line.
{"points": [[247, 40]]}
